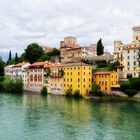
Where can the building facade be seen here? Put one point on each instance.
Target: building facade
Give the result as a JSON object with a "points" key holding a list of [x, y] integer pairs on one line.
{"points": [[8, 71], [106, 80], [77, 76], [70, 51], [37, 77], [128, 56]]}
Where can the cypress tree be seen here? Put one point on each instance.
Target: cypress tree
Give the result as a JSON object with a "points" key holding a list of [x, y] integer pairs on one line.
{"points": [[16, 57], [10, 55], [100, 48]]}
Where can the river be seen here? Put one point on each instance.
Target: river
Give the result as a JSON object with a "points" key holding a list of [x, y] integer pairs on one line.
{"points": [[33, 117]]}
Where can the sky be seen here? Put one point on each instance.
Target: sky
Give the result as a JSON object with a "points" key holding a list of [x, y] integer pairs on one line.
{"points": [[47, 22]]}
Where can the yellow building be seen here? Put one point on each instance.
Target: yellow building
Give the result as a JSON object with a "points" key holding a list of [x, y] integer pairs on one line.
{"points": [[77, 76], [106, 80]]}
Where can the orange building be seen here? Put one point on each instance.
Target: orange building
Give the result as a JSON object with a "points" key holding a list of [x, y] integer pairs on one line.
{"points": [[106, 80]]}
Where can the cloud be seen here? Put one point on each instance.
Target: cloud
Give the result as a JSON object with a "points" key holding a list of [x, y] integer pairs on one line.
{"points": [[48, 22]]}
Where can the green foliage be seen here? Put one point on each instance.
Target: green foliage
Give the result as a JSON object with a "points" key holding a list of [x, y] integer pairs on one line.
{"points": [[101, 63], [100, 48], [54, 52], [61, 72], [16, 58], [2, 64], [47, 72], [113, 66], [69, 92], [131, 92], [95, 91], [131, 87], [77, 94], [11, 62], [10, 56], [44, 57], [134, 83], [44, 91], [33, 52], [9, 85], [124, 86]]}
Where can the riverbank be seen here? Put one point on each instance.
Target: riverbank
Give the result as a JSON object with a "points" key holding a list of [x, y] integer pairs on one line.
{"points": [[112, 99]]}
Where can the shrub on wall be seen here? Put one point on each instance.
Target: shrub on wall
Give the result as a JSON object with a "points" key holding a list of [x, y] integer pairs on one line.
{"points": [[77, 94], [44, 91]]}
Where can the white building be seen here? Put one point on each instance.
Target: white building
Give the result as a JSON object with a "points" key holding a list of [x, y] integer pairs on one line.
{"points": [[128, 56], [8, 71], [132, 60], [18, 69], [89, 51]]}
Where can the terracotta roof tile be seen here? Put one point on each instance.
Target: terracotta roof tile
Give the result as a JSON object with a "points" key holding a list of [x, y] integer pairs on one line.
{"points": [[103, 72], [20, 64]]}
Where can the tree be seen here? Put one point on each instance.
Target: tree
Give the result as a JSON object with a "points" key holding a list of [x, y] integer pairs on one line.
{"points": [[16, 57], [54, 52], [100, 48], [44, 57], [10, 56], [33, 52], [2, 67], [96, 91]]}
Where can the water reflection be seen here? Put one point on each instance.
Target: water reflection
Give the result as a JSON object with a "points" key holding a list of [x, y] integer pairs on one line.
{"points": [[35, 117]]}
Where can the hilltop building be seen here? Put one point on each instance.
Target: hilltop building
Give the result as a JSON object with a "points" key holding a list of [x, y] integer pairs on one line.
{"points": [[72, 52]]}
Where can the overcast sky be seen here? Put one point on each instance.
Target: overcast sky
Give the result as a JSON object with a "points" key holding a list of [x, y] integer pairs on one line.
{"points": [[47, 21]]}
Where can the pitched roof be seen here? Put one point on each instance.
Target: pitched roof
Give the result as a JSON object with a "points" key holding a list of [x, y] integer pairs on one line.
{"points": [[38, 64], [20, 64], [103, 72]]}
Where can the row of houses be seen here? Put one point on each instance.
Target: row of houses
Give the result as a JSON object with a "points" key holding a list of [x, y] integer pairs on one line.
{"points": [[58, 78]]}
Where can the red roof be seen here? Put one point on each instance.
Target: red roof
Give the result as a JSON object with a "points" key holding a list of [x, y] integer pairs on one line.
{"points": [[103, 72], [38, 64], [20, 64]]}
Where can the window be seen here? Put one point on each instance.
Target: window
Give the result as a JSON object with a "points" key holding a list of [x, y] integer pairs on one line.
{"points": [[89, 73], [78, 80], [134, 51], [134, 63], [84, 86], [68, 80], [71, 79], [71, 73], [127, 57], [89, 80], [84, 67], [102, 82], [78, 68], [89, 85], [67, 73], [78, 86], [127, 51], [128, 68], [84, 73], [128, 63], [78, 73]]}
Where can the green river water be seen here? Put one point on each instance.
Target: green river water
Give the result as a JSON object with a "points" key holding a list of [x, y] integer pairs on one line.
{"points": [[33, 117]]}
